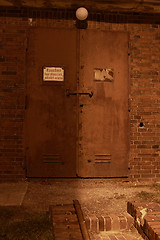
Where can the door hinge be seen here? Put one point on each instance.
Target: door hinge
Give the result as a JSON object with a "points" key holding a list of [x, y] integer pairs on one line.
{"points": [[26, 102]]}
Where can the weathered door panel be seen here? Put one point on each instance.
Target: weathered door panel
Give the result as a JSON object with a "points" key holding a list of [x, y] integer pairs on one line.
{"points": [[103, 118], [50, 114]]}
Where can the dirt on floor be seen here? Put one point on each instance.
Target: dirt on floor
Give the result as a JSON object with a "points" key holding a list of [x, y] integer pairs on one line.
{"points": [[123, 235], [96, 196], [16, 223]]}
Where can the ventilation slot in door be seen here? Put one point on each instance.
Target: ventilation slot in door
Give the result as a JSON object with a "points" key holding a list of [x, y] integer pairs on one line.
{"points": [[52, 158], [102, 158]]}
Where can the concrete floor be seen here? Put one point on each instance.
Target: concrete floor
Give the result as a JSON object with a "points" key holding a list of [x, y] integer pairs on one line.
{"points": [[95, 196], [12, 194]]}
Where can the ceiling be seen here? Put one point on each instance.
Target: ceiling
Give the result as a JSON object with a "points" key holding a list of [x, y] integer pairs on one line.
{"points": [[147, 6]]}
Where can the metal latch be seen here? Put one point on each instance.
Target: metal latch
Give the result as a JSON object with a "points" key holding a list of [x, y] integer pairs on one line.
{"points": [[68, 93]]}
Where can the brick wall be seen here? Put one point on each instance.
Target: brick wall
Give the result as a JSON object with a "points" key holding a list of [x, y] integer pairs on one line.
{"points": [[12, 88], [144, 99]]}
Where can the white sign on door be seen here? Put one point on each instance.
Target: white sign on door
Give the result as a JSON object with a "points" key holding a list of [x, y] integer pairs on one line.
{"points": [[53, 74]]}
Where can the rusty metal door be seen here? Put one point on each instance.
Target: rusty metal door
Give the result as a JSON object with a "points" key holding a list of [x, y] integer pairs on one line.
{"points": [[103, 117], [51, 118], [100, 90]]}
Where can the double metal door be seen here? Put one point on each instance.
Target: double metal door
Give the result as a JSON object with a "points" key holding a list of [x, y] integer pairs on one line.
{"points": [[77, 103]]}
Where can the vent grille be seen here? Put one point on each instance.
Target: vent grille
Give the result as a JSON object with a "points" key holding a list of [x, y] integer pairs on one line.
{"points": [[103, 158], [52, 158]]}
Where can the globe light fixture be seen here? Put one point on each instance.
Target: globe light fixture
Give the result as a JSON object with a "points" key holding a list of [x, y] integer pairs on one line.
{"points": [[81, 13]]}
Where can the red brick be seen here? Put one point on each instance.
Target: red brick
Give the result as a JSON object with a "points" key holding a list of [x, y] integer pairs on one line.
{"points": [[122, 222], [107, 223], [88, 223], [150, 228], [101, 223], [115, 222], [94, 224]]}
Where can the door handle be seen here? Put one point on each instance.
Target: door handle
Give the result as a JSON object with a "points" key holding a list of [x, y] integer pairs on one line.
{"points": [[68, 93]]}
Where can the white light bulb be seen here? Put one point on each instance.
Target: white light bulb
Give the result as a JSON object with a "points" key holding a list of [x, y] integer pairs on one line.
{"points": [[81, 13]]}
